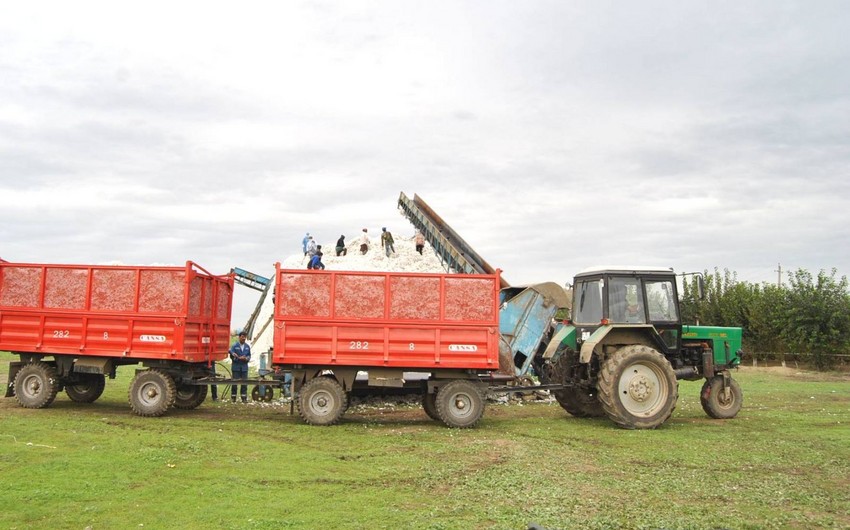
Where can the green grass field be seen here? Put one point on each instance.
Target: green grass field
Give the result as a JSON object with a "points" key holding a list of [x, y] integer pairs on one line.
{"points": [[784, 462]]}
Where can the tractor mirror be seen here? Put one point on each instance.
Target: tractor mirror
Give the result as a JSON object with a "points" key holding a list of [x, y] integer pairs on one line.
{"points": [[701, 287]]}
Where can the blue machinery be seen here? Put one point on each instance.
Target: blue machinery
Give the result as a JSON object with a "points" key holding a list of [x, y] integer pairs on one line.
{"points": [[525, 321]]}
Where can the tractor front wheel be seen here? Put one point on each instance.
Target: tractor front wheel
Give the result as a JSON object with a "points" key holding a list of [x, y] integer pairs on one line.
{"points": [[718, 402], [638, 388]]}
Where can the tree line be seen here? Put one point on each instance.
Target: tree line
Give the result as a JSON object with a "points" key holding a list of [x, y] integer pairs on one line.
{"points": [[808, 316]]}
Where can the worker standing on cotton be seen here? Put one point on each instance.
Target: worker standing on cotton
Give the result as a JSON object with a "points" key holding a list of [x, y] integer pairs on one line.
{"points": [[364, 241], [387, 241]]}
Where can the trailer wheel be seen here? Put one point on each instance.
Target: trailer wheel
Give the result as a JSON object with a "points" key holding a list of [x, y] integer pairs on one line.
{"points": [[638, 388], [152, 392], [459, 404], [190, 397], [268, 393], [581, 402], [429, 403], [36, 385], [87, 389], [719, 404], [322, 401]]}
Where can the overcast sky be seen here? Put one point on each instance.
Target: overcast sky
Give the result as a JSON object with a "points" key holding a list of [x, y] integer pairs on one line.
{"points": [[551, 135]]}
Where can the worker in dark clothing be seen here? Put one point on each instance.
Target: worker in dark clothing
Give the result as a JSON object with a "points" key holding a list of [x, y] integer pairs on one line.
{"points": [[213, 388], [387, 241], [240, 354], [420, 241], [340, 246]]}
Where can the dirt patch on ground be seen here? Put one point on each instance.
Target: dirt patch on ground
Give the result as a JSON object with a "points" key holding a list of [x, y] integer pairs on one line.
{"points": [[799, 373]]}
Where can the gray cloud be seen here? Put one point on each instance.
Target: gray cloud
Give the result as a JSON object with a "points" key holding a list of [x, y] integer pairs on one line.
{"points": [[551, 135]]}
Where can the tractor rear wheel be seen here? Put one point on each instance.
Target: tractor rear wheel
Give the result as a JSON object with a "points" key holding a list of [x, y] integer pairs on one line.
{"points": [[429, 403], [580, 401], [460, 404], [152, 392], [322, 401], [190, 397], [720, 403], [638, 388], [36, 385], [87, 389]]}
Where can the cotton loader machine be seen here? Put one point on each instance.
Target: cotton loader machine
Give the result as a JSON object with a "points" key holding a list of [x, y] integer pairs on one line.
{"points": [[625, 348]]}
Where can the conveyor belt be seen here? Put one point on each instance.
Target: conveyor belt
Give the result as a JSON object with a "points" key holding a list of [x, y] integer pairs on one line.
{"points": [[455, 253], [257, 282]]}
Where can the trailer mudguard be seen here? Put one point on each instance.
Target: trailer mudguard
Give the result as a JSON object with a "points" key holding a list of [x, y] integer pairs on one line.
{"points": [[14, 368]]}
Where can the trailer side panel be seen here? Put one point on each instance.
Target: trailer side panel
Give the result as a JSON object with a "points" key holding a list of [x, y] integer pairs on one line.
{"points": [[177, 313], [399, 320]]}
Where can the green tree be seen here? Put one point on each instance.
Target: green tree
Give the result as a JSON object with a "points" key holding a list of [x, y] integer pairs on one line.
{"points": [[768, 319], [818, 315]]}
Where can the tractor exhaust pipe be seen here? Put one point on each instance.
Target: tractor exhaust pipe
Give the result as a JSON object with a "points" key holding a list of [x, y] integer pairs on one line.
{"points": [[688, 372]]}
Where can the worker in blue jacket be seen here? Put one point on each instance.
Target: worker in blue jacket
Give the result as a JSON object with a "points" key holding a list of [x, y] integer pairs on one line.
{"points": [[305, 241], [316, 262], [240, 354]]}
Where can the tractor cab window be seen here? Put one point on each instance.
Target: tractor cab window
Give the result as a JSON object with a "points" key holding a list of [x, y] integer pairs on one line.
{"points": [[661, 299], [588, 302], [625, 301]]}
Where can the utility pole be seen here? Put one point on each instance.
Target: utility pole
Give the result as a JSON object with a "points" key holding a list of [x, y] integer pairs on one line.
{"points": [[778, 275]]}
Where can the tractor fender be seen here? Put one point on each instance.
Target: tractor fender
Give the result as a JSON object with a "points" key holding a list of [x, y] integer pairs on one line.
{"points": [[621, 334], [563, 335]]}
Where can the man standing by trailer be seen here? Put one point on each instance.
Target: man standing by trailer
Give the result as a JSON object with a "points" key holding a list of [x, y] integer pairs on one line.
{"points": [[240, 354]]}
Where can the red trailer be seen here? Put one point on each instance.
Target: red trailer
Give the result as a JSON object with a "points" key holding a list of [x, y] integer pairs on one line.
{"points": [[332, 325], [72, 325]]}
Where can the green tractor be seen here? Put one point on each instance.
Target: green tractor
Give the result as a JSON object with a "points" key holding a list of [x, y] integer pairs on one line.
{"points": [[625, 348]]}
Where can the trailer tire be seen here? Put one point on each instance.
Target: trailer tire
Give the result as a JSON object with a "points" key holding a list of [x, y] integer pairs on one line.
{"points": [[460, 404], [36, 385], [429, 403], [87, 389], [322, 401], [152, 393], [715, 404], [188, 397], [638, 388]]}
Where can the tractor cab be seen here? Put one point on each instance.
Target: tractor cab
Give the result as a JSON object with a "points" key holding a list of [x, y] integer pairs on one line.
{"points": [[639, 297]]}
